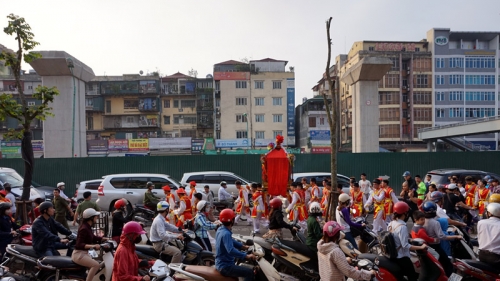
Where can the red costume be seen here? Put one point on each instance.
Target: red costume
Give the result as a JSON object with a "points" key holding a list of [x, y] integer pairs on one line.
{"points": [[357, 203], [187, 214]]}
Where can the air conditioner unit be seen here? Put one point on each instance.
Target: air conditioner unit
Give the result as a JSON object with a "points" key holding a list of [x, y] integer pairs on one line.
{"points": [[404, 87], [217, 127], [408, 101], [181, 116], [408, 69], [181, 109]]}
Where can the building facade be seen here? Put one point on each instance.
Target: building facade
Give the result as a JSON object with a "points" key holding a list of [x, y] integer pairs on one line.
{"points": [[313, 130], [466, 78]]}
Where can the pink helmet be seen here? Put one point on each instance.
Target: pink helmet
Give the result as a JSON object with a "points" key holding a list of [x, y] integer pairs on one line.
{"points": [[331, 228], [133, 227]]}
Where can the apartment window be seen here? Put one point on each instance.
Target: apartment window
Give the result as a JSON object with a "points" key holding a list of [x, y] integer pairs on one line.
{"points": [[480, 96], [456, 112], [189, 119], [392, 81], [388, 97], [276, 133], [422, 114], [422, 64], [241, 118], [259, 101], [217, 135], [439, 79], [176, 119], [371, 48], [30, 87], [395, 64], [480, 62], [241, 84], [322, 120], [166, 120], [421, 81], [312, 122], [479, 112], [439, 96], [90, 123], [241, 134], [277, 118], [456, 62], [277, 101], [439, 62], [32, 103], [422, 97], [217, 102], [241, 101], [389, 114], [130, 104], [389, 131], [217, 85], [480, 79], [417, 49], [188, 103], [176, 104], [108, 106], [456, 79], [259, 135], [259, 118], [439, 112], [259, 84], [166, 103], [456, 95], [129, 119], [276, 84]]}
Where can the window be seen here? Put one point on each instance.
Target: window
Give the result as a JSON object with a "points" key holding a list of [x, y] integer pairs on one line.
{"points": [[322, 120], [118, 182], [241, 101], [166, 104], [159, 182], [422, 114], [30, 87], [422, 98], [241, 134], [259, 117], [276, 84], [388, 97], [456, 112], [259, 84], [392, 81], [259, 101], [176, 119], [166, 120], [130, 104], [277, 118], [395, 64], [312, 122], [176, 104], [479, 112], [480, 96], [90, 123], [188, 103], [241, 118], [439, 79], [108, 106], [421, 81], [417, 49], [277, 101], [439, 96], [480, 62], [241, 84], [439, 62], [259, 135], [389, 114], [456, 95], [276, 133], [189, 119], [456, 79], [389, 131], [32, 103], [422, 64], [371, 48], [480, 80], [439, 112], [456, 62]]}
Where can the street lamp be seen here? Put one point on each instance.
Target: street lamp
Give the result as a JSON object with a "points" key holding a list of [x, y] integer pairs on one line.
{"points": [[69, 61], [248, 141]]}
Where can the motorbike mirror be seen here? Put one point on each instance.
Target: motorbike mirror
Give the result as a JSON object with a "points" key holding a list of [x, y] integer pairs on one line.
{"points": [[249, 242]]}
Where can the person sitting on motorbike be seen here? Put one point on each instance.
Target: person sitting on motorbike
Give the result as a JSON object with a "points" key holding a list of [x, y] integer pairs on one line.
{"points": [[160, 237], [487, 236], [119, 219], [202, 225], [332, 262], [44, 233], [150, 200], [7, 226], [35, 212], [226, 249], [433, 229], [343, 216], [400, 233], [126, 262], [224, 197], [314, 231], [276, 222], [438, 198], [85, 241]]}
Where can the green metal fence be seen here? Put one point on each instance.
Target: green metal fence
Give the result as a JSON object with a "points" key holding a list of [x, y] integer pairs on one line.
{"points": [[73, 170]]}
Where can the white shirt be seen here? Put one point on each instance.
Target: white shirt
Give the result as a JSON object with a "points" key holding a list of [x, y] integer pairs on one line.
{"points": [[378, 198], [260, 203], [12, 199], [365, 186], [209, 197], [487, 235], [223, 194], [159, 230], [295, 199], [307, 190], [245, 196], [182, 207], [441, 213], [400, 234], [62, 194]]}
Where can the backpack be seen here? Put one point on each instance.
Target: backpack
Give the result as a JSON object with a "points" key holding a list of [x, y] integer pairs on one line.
{"points": [[387, 243]]}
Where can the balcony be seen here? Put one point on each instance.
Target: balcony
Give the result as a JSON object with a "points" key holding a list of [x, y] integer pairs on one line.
{"points": [[94, 104], [205, 120], [131, 121], [148, 105], [217, 94], [129, 87]]}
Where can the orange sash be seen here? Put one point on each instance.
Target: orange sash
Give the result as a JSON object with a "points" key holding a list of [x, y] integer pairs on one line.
{"points": [[482, 195], [388, 201], [471, 194], [357, 203]]}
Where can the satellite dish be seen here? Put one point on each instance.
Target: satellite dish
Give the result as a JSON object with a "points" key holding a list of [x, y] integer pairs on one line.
{"points": [[209, 76], [141, 72]]}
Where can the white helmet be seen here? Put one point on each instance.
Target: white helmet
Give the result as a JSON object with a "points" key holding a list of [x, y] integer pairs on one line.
{"points": [[315, 208], [88, 213], [201, 205], [494, 209], [60, 184], [344, 198]]}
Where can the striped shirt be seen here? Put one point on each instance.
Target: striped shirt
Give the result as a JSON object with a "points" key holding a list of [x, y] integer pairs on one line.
{"points": [[202, 225]]}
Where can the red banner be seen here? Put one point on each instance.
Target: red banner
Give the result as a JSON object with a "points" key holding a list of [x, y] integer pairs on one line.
{"points": [[231, 76]]}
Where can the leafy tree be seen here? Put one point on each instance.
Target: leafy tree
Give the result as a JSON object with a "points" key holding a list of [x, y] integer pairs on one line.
{"points": [[16, 107]]}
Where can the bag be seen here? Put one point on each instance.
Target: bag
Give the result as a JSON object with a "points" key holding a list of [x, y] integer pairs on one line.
{"points": [[387, 243]]}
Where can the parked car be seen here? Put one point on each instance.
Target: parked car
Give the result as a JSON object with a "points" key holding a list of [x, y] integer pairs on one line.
{"points": [[213, 180], [297, 177], [132, 187], [16, 182], [90, 185], [440, 176]]}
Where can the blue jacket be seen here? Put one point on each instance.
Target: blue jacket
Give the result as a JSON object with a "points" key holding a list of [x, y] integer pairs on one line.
{"points": [[226, 248], [6, 226], [45, 233]]}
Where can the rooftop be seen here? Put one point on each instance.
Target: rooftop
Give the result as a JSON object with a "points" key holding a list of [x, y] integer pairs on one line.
{"points": [[269, 60], [177, 75], [473, 35], [230, 62]]}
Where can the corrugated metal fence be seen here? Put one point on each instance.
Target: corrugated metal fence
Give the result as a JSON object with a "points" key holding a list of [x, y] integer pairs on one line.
{"points": [[73, 170]]}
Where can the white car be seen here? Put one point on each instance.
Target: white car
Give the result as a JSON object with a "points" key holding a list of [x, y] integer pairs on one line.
{"points": [[297, 177], [90, 185], [8, 175], [213, 180]]}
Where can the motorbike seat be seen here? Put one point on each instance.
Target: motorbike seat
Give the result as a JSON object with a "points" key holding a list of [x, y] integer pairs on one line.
{"points": [[209, 273], [25, 250], [483, 266], [60, 262], [383, 262], [147, 250], [301, 249]]}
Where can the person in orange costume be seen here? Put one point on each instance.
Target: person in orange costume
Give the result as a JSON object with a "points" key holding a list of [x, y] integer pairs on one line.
{"points": [[184, 212], [326, 194], [170, 198], [243, 206], [470, 189], [482, 197], [358, 200], [390, 200], [297, 211]]}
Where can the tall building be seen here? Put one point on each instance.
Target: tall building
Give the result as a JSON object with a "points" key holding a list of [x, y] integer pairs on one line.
{"points": [[405, 93], [466, 78], [254, 102], [313, 130]]}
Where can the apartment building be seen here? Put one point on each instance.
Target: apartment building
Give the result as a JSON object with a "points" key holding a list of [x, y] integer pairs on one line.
{"points": [[466, 78], [255, 102]]}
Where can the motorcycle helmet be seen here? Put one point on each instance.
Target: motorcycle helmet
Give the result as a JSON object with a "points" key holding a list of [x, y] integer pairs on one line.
{"points": [[162, 206], [201, 205], [5, 205], [223, 183], [133, 227], [315, 208], [495, 198], [429, 207], [45, 206], [331, 228], [401, 208], [90, 212], [276, 203], [180, 191], [120, 203], [436, 196], [344, 197], [494, 209], [226, 215], [148, 184]]}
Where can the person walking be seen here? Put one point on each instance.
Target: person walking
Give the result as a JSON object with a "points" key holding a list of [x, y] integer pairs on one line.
{"points": [[365, 186], [377, 198], [11, 198], [243, 206], [390, 200], [62, 207]]}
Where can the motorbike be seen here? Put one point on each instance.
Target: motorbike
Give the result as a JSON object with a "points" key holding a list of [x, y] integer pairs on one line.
{"points": [[159, 272], [460, 248], [183, 272], [143, 214], [54, 268], [4, 275], [296, 259], [369, 240], [192, 252], [475, 270], [387, 270]]}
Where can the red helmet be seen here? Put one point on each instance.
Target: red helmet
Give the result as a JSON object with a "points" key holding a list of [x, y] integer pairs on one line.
{"points": [[226, 215], [120, 203], [275, 203], [401, 208], [133, 227], [166, 188], [180, 191]]}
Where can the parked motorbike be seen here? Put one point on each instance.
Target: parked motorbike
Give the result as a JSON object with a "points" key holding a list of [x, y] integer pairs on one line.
{"points": [[54, 268], [183, 272], [475, 270], [25, 235], [296, 259]]}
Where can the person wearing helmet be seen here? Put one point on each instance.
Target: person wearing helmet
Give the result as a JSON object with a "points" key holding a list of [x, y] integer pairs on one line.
{"points": [[332, 263], [85, 241], [150, 200], [390, 200], [438, 198], [87, 203], [258, 209], [61, 186], [482, 197], [228, 249], [377, 198], [276, 221], [243, 206], [314, 231], [44, 232], [126, 262], [487, 236], [495, 198], [184, 212], [296, 210], [119, 219], [343, 216], [202, 225], [62, 207], [225, 197], [451, 202], [7, 226], [161, 233], [400, 233], [170, 198]]}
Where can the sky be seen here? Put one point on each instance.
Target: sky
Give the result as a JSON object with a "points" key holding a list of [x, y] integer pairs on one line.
{"points": [[116, 37]]}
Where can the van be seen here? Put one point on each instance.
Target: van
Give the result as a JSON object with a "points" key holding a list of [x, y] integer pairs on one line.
{"points": [[213, 180]]}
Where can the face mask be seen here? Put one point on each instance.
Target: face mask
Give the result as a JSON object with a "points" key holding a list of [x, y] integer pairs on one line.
{"points": [[138, 239]]}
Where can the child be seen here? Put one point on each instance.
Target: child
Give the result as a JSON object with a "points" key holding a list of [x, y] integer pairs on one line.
{"points": [[418, 230], [445, 244], [332, 262], [432, 188], [314, 232], [35, 213]]}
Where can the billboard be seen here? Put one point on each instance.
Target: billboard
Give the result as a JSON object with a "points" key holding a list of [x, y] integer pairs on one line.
{"points": [[320, 135], [232, 143], [118, 145], [11, 149], [321, 150], [197, 146], [37, 145], [138, 144], [169, 143], [231, 76], [290, 110], [97, 145]]}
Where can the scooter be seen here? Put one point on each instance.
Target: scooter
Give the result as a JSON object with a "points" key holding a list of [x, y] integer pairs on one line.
{"points": [[159, 272], [460, 248], [296, 259], [369, 240], [4, 275], [387, 270], [55, 268], [475, 270], [142, 213]]}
